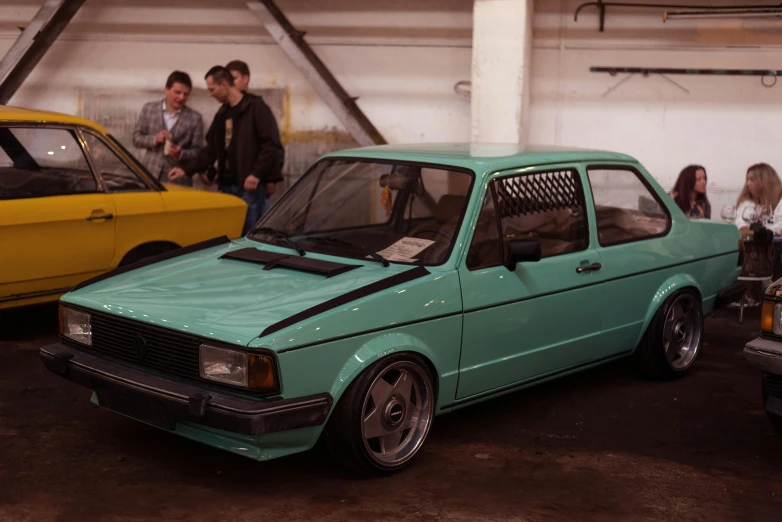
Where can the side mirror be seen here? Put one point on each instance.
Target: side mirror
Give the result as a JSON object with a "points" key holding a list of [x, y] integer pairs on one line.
{"points": [[520, 251]]}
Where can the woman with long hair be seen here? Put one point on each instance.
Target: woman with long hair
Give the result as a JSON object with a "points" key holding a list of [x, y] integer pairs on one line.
{"points": [[689, 193], [762, 187]]}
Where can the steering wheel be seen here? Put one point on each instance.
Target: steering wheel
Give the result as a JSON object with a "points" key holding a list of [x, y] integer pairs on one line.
{"points": [[417, 232]]}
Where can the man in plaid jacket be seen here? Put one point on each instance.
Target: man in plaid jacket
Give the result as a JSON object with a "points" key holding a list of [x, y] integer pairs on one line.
{"points": [[169, 130]]}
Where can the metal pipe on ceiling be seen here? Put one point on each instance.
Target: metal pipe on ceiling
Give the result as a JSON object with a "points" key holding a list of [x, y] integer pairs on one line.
{"points": [[768, 77], [601, 6], [771, 12]]}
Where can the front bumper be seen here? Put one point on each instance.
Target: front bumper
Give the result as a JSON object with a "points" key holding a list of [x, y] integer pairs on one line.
{"points": [[765, 355], [162, 402]]}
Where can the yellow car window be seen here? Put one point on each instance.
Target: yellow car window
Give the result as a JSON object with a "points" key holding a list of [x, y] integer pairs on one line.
{"points": [[114, 172], [38, 162]]}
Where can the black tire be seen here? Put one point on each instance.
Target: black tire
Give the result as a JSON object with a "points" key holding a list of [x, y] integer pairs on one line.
{"points": [[774, 419], [344, 434], [144, 251], [776, 422], [650, 356]]}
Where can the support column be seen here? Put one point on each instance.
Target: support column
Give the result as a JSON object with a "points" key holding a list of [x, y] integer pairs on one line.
{"points": [[501, 54]]}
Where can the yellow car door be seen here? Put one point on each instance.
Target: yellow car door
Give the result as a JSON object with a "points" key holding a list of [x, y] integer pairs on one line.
{"points": [[56, 225], [151, 217], [140, 223]]}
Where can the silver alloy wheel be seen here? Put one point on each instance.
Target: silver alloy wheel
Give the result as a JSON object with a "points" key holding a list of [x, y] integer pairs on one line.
{"points": [[397, 413], [682, 332]]}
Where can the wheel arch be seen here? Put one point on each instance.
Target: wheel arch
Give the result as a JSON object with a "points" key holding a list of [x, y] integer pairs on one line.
{"points": [[147, 248], [377, 349], [669, 287]]}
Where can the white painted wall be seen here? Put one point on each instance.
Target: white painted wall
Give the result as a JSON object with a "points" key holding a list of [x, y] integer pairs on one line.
{"points": [[402, 63], [724, 123], [403, 58]]}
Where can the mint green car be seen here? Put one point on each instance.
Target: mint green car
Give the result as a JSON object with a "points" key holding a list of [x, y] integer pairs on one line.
{"points": [[392, 284]]}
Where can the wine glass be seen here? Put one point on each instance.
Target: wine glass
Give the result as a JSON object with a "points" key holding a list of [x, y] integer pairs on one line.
{"points": [[750, 214], [765, 214], [728, 214]]}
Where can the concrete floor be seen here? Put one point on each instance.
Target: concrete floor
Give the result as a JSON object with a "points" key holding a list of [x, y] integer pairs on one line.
{"points": [[602, 445]]}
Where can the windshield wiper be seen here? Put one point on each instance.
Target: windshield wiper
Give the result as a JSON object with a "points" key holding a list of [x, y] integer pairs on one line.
{"points": [[331, 239], [279, 234]]}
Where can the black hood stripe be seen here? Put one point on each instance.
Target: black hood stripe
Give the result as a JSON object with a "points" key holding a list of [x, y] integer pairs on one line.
{"points": [[222, 240], [353, 295]]}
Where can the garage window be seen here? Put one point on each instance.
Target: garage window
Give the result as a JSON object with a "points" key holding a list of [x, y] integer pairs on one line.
{"points": [[626, 208]]}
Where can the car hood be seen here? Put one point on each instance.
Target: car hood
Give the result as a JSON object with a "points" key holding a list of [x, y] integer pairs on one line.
{"points": [[226, 299]]}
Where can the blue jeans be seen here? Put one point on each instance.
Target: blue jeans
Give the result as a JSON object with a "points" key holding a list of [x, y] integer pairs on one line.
{"points": [[256, 203]]}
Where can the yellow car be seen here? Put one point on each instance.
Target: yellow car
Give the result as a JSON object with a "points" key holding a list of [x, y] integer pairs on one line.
{"points": [[74, 203]]}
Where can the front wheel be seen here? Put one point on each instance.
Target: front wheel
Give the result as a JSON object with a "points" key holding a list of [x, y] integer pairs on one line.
{"points": [[673, 339], [384, 416]]}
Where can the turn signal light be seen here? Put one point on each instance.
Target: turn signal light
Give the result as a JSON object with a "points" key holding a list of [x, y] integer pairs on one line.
{"points": [[261, 374], [767, 317]]}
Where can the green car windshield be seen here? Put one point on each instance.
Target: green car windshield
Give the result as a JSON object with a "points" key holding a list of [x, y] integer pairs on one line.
{"points": [[371, 209]]}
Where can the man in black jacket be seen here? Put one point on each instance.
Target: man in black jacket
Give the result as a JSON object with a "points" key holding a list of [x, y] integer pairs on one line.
{"points": [[245, 141]]}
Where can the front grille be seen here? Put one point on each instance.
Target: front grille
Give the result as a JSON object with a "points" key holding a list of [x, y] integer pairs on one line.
{"points": [[167, 351], [774, 385]]}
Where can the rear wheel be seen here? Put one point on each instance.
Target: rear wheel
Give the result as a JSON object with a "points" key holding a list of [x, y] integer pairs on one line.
{"points": [[382, 420], [673, 339]]}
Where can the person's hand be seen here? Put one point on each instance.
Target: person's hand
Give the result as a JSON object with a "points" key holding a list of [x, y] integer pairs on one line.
{"points": [[175, 151], [251, 183], [175, 173], [271, 188], [205, 179], [162, 136]]}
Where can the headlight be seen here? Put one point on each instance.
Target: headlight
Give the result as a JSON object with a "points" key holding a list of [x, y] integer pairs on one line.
{"points": [[771, 319], [244, 369], [75, 325]]}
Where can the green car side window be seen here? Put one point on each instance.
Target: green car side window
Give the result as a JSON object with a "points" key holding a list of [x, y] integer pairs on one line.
{"points": [[485, 246], [626, 209], [545, 206]]}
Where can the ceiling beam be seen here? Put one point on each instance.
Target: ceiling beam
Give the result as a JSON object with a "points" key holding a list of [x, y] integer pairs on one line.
{"points": [[317, 74], [33, 43]]}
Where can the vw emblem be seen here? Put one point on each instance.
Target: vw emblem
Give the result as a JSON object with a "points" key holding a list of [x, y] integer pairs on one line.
{"points": [[140, 346]]}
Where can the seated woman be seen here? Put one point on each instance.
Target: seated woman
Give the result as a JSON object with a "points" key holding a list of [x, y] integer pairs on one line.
{"points": [[689, 193], [762, 187]]}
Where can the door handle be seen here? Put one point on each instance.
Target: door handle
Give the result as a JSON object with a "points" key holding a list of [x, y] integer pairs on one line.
{"points": [[102, 216], [589, 268]]}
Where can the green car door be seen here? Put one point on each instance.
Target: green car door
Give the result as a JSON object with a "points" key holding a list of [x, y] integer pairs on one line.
{"points": [[539, 317], [650, 250]]}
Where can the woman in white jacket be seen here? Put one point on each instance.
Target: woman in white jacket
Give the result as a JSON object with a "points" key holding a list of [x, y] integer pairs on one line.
{"points": [[763, 187]]}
